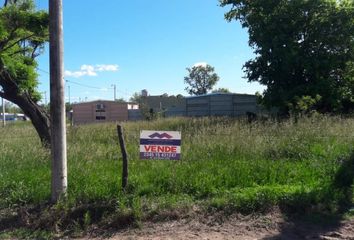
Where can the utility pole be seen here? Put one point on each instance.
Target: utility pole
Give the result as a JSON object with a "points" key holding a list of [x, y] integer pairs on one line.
{"points": [[69, 93], [3, 112], [57, 101], [114, 89], [45, 97]]}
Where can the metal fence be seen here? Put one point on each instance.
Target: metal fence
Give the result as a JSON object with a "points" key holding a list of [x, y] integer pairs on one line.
{"points": [[232, 105]]}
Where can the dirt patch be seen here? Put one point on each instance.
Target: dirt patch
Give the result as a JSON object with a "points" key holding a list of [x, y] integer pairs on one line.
{"points": [[192, 224], [270, 226]]}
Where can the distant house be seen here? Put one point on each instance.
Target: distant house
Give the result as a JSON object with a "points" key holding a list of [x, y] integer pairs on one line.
{"points": [[101, 111]]}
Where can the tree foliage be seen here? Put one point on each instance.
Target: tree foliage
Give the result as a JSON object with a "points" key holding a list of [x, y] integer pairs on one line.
{"points": [[221, 90], [304, 49], [200, 79], [23, 33], [136, 97]]}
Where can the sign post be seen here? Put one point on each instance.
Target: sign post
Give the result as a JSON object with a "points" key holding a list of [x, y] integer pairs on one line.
{"points": [[160, 145]]}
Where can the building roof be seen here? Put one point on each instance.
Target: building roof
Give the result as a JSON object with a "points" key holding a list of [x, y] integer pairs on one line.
{"points": [[99, 100], [225, 94]]}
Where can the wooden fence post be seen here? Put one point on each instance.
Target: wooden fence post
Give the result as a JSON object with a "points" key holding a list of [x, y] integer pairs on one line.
{"points": [[124, 155]]}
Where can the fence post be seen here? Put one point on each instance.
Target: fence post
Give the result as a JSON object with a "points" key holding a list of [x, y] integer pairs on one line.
{"points": [[124, 155]]}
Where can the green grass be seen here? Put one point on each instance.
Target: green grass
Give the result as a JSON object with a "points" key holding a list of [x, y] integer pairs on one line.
{"points": [[226, 164]]}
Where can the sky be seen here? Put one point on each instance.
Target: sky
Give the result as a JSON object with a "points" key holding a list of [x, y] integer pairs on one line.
{"points": [[140, 44]]}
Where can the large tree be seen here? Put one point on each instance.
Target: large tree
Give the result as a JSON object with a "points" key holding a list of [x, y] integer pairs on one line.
{"points": [[23, 33], [201, 79], [303, 49]]}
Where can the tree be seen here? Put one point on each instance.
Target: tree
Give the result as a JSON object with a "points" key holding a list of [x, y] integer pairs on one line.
{"points": [[23, 33], [120, 100], [221, 90], [136, 98], [141, 100], [201, 79], [68, 107], [303, 49]]}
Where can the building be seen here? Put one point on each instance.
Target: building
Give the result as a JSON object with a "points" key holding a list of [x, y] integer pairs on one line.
{"points": [[101, 111]]}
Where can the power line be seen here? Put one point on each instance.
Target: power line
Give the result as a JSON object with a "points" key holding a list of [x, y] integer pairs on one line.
{"points": [[84, 85], [88, 86], [41, 70], [73, 82]]}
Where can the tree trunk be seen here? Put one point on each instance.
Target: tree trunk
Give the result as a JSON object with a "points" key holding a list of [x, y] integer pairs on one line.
{"points": [[40, 119]]}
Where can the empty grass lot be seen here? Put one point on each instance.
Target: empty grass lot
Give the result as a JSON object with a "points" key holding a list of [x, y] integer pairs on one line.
{"points": [[227, 165]]}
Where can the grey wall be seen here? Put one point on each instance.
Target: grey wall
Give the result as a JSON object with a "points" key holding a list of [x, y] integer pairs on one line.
{"points": [[232, 105], [134, 115], [158, 103]]}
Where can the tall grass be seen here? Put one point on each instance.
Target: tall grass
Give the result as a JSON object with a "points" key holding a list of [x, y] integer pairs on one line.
{"points": [[226, 163]]}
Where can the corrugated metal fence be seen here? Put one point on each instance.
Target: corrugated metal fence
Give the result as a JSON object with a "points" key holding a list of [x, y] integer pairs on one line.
{"points": [[232, 105]]}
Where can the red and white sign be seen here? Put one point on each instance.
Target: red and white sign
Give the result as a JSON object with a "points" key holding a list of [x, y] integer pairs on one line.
{"points": [[164, 145]]}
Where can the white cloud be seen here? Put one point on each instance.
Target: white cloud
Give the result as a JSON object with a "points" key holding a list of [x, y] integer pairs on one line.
{"points": [[76, 74], [88, 70], [200, 64], [102, 67], [91, 70]]}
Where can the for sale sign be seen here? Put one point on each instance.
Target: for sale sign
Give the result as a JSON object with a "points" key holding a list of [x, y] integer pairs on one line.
{"points": [[164, 145]]}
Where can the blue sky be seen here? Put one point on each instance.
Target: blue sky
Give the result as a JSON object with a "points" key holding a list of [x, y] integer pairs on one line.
{"points": [[140, 44]]}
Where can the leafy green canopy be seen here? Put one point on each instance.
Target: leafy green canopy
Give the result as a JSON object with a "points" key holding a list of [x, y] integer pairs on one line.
{"points": [[200, 79], [23, 33], [303, 48]]}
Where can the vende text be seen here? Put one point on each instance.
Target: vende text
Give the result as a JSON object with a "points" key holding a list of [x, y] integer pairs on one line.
{"points": [[152, 148]]}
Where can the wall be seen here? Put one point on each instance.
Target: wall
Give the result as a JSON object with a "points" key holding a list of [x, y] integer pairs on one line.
{"points": [[162, 103], [232, 105], [134, 115], [217, 104]]}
